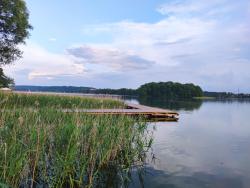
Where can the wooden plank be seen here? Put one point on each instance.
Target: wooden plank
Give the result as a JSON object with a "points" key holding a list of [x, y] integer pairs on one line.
{"points": [[133, 110]]}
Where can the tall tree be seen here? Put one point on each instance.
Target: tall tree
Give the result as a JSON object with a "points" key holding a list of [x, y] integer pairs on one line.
{"points": [[14, 29]]}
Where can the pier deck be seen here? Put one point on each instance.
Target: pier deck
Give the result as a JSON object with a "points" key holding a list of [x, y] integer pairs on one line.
{"points": [[156, 114]]}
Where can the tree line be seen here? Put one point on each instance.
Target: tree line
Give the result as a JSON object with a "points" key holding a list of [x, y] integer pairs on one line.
{"points": [[226, 95], [59, 89], [160, 90], [122, 91]]}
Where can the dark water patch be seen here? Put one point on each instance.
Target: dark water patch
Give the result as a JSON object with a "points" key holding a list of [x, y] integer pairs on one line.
{"points": [[152, 177]]}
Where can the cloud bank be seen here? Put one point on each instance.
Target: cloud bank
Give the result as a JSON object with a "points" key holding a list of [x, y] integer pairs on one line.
{"points": [[37, 63], [112, 59], [204, 42]]}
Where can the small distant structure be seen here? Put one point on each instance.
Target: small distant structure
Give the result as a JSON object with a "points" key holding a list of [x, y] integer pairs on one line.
{"points": [[5, 89]]}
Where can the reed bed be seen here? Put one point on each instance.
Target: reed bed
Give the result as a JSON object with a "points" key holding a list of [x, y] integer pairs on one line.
{"points": [[48, 148], [14, 100]]}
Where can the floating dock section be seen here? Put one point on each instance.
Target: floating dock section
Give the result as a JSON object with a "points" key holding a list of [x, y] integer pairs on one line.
{"points": [[151, 113]]}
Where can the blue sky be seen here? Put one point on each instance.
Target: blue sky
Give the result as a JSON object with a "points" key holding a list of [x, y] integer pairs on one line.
{"points": [[127, 43], [64, 20]]}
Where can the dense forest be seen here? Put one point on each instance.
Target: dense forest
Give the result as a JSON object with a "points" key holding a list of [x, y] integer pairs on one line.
{"points": [[122, 91], [169, 90], [160, 90]]}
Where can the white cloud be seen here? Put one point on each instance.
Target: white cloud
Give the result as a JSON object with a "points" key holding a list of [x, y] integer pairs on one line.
{"points": [[52, 39], [175, 7], [39, 63], [112, 59], [152, 41], [195, 42], [193, 7]]}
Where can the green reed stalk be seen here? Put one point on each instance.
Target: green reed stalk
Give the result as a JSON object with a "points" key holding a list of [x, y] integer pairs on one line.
{"points": [[43, 146]]}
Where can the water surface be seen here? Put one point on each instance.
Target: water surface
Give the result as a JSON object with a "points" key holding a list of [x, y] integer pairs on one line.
{"points": [[208, 147]]}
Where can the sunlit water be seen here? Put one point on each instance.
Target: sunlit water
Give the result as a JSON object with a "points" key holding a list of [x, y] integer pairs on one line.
{"points": [[208, 147]]}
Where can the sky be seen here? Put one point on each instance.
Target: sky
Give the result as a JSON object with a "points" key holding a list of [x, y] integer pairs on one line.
{"points": [[117, 43]]}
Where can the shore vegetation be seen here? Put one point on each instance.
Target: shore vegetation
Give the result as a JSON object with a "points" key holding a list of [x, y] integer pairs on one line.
{"points": [[41, 146]]}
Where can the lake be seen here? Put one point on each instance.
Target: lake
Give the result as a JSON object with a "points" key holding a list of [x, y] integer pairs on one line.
{"points": [[208, 147]]}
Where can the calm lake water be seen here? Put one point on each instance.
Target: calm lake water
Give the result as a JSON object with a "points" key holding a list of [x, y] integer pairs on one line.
{"points": [[208, 147]]}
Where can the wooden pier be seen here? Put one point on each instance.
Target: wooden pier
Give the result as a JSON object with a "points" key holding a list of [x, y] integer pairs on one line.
{"points": [[131, 109], [151, 113]]}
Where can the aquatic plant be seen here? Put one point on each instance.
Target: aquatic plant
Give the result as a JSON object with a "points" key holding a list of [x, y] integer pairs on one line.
{"points": [[46, 147], [14, 100]]}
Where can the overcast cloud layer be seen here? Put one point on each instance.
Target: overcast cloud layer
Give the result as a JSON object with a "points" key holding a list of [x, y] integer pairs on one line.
{"points": [[204, 42]]}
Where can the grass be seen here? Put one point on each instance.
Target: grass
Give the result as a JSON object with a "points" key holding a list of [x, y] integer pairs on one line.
{"points": [[12, 100], [49, 148]]}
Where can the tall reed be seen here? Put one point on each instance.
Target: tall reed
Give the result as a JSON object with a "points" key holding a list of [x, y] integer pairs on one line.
{"points": [[49, 148], [13, 100]]}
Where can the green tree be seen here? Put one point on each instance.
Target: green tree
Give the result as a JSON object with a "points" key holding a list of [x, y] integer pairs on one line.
{"points": [[5, 81], [169, 90], [14, 29]]}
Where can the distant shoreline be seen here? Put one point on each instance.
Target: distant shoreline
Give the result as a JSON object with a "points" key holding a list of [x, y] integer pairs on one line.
{"points": [[90, 91]]}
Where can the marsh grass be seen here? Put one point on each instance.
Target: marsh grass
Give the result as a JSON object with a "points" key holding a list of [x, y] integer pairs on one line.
{"points": [[48, 148], [14, 100]]}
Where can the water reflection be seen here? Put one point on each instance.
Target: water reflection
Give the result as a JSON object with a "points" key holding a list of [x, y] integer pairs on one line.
{"points": [[207, 147], [159, 179], [187, 105]]}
